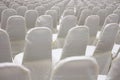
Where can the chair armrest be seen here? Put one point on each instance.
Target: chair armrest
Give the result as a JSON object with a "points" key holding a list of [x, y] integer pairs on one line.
{"points": [[115, 50], [18, 59], [56, 55], [90, 50], [102, 77]]}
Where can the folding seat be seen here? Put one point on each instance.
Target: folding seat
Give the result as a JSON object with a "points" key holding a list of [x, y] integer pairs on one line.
{"points": [[104, 47], [112, 18], [16, 28], [5, 48], [21, 10], [92, 22], [11, 71], [53, 13], [66, 23], [45, 21], [1, 10], [68, 12], [84, 14], [76, 42], [31, 17], [5, 15], [40, 9], [37, 53], [102, 13], [114, 72], [76, 68]]}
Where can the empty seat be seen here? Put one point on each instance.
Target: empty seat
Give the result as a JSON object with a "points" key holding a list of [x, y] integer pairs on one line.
{"points": [[45, 21], [5, 48], [2, 8], [104, 47], [112, 18], [84, 14], [68, 12], [5, 15], [93, 24], [114, 72], [16, 28], [41, 10], [30, 17], [76, 68], [102, 13], [37, 53], [21, 10], [53, 13], [76, 42], [67, 23], [10, 71]]}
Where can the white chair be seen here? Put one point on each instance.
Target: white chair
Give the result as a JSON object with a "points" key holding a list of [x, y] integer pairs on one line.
{"points": [[102, 13], [76, 68], [31, 17], [53, 13], [45, 21], [112, 18], [76, 42], [104, 47], [21, 10], [11, 71], [84, 14], [16, 29], [57, 10], [5, 48], [5, 15], [92, 22], [37, 53], [1, 10], [68, 12], [41, 10], [67, 23], [114, 72]]}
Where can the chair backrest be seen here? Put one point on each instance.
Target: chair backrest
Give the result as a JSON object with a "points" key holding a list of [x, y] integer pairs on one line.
{"points": [[95, 10], [5, 48], [53, 13], [38, 44], [11, 71], [102, 13], [68, 12], [21, 10], [16, 28], [57, 9], [117, 11], [107, 38], [76, 68], [114, 72], [93, 24], [66, 23], [112, 18], [1, 10], [41, 10], [84, 14], [76, 42], [45, 21], [5, 15], [31, 17]]}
